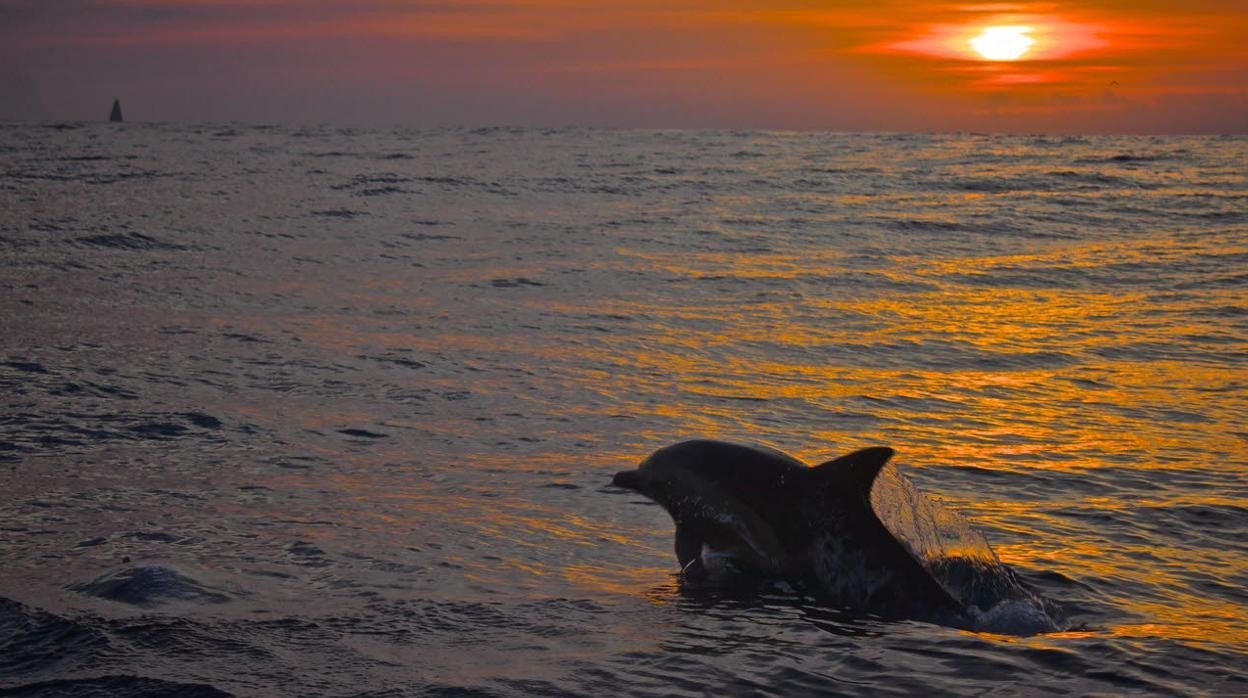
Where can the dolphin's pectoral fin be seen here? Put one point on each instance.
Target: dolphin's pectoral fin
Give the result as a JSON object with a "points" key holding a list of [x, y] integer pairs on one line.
{"points": [[693, 571], [714, 567], [854, 473], [688, 545], [714, 554]]}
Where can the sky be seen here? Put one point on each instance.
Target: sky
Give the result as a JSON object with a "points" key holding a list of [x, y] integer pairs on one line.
{"points": [[1102, 66]]}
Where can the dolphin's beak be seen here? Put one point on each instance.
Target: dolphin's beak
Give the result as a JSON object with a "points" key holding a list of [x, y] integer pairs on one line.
{"points": [[629, 479]]}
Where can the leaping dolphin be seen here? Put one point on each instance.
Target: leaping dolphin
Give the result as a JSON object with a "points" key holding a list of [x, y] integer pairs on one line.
{"points": [[754, 513]]}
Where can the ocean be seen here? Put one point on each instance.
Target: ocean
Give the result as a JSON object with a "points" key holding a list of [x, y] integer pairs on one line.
{"points": [[335, 412]]}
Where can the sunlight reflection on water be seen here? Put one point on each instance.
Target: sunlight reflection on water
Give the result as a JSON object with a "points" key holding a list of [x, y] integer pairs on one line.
{"points": [[425, 399]]}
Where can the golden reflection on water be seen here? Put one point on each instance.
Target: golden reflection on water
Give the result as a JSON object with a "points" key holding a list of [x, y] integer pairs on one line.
{"points": [[1192, 621], [629, 581], [983, 361]]}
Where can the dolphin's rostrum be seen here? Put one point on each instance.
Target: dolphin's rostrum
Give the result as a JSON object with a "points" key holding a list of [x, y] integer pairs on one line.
{"points": [[753, 513]]}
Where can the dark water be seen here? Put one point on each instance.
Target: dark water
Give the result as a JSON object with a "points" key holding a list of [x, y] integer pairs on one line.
{"points": [[334, 412]]}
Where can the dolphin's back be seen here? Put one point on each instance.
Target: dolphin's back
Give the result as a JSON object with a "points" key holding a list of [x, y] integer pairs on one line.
{"points": [[768, 481], [727, 463]]}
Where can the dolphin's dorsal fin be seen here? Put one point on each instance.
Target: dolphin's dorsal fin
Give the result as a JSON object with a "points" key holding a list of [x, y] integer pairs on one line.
{"points": [[856, 471]]}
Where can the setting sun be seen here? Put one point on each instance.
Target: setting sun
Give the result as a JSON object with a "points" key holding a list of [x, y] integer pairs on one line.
{"points": [[1003, 43]]}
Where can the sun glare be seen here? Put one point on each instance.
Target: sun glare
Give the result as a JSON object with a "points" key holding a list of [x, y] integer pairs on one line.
{"points": [[1003, 43]]}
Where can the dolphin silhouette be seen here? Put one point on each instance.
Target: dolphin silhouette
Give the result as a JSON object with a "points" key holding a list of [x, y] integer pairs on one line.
{"points": [[747, 513]]}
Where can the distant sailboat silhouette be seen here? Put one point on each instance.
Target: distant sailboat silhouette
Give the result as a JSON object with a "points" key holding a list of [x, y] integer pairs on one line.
{"points": [[116, 115]]}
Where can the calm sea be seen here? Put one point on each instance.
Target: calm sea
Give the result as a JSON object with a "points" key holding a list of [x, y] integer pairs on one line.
{"points": [[335, 412]]}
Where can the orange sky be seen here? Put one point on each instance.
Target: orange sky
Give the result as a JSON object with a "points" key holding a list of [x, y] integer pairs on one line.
{"points": [[1102, 66]]}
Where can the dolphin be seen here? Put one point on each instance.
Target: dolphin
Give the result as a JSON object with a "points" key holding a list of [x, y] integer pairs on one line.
{"points": [[749, 513]]}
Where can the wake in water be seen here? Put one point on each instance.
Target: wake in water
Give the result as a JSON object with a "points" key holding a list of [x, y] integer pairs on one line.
{"points": [[960, 559]]}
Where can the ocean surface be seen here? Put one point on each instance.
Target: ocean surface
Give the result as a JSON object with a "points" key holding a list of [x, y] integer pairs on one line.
{"points": [[334, 412]]}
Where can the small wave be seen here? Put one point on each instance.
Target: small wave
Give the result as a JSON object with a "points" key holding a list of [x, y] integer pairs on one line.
{"points": [[114, 177], [149, 585], [1215, 281], [158, 429], [27, 366], [515, 283], [505, 131], [1092, 179], [92, 389], [1145, 351], [244, 337], [992, 184], [203, 421], [116, 685], [937, 354], [421, 237], [561, 486], [1228, 520], [383, 191], [374, 181], [1013, 617], [1122, 158], [126, 241], [32, 640], [26, 432], [363, 433], [451, 181], [339, 213], [397, 360]]}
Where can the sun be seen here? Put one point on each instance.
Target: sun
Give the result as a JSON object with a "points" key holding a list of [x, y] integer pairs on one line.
{"points": [[1003, 43]]}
